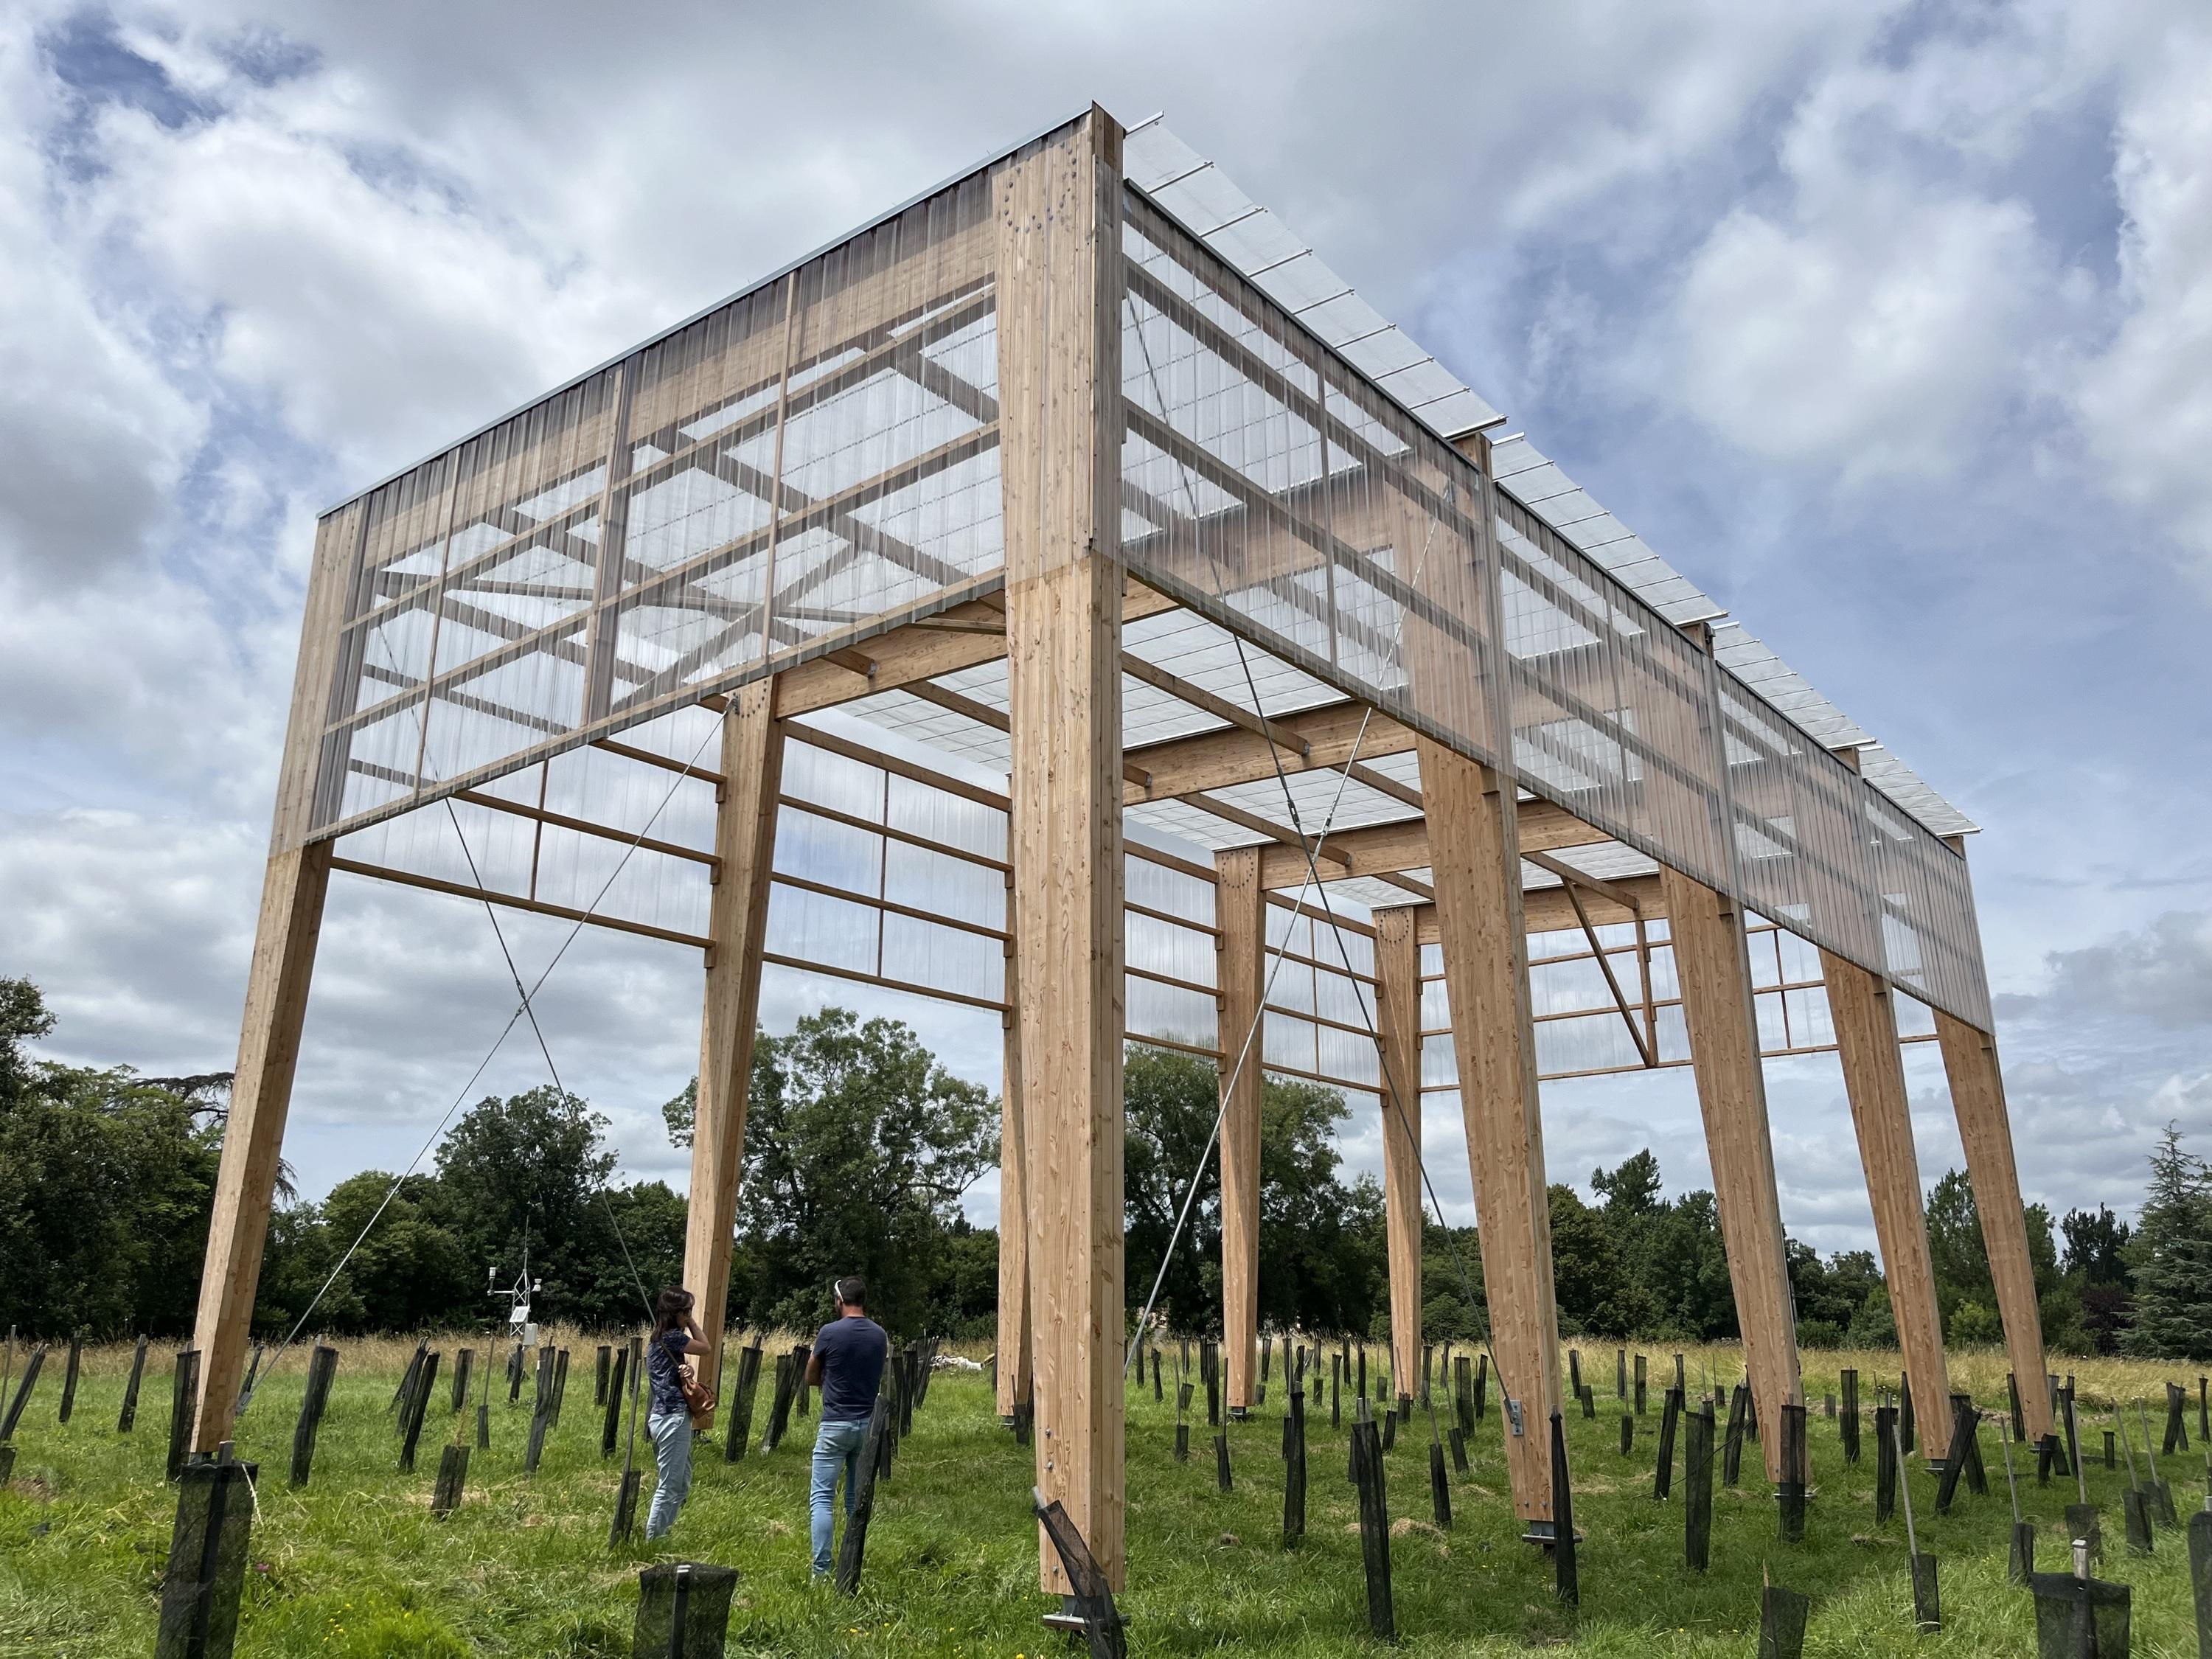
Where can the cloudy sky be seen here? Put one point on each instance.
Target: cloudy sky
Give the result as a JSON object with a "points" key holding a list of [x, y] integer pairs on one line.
{"points": [[1890, 325]]}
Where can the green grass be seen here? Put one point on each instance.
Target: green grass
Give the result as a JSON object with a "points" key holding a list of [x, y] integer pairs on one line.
{"points": [[356, 1566]]}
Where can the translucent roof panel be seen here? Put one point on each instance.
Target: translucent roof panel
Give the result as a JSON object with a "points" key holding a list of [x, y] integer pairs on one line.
{"points": [[1256, 241]]}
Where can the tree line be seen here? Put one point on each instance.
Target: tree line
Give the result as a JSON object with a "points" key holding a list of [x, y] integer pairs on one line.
{"points": [[859, 1149]]}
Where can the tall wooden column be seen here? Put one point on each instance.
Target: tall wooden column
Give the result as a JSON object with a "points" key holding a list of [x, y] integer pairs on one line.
{"points": [[1398, 1025], [1714, 971], [744, 841], [1240, 910], [1970, 1061], [1873, 1078], [292, 892], [1057, 282], [1474, 846], [292, 887], [1017, 1367]]}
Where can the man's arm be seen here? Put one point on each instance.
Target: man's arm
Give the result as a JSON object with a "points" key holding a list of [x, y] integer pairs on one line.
{"points": [[814, 1366]]}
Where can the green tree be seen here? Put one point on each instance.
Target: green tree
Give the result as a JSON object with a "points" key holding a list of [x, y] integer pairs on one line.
{"points": [[2096, 1246], [858, 1147], [2173, 1250], [105, 1188], [1321, 1248], [1956, 1249], [1591, 1281], [1631, 1189]]}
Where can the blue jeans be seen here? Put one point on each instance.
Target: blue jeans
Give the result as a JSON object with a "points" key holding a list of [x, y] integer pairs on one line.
{"points": [[836, 1449], [672, 1451]]}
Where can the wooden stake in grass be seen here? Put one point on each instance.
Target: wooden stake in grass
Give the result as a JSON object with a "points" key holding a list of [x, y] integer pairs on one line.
{"points": [[2160, 1495], [1294, 1470], [682, 1607], [606, 1364], [1374, 1527], [2020, 1559], [417, 1402], [128, 1415], [1790, 1493], [1849, 1382], [31, 1369], [1662, 1476], [626, 1499], [853, 1547], [465, 1360], [1221, 1481], [1566, 1579], [452, 1474], [322, 1367], [1885, 1442], [1639, 1384], [1628, 1434], [69, 1370], [184, 1402], [2200, 1572], [740, 1431], [1781, 1614], [1696, 1488], [2134, 1502], [206, 1572], [1927, 1605]]}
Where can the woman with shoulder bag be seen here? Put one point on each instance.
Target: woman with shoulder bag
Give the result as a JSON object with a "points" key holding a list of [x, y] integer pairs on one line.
{"points": [[675, 1339]]}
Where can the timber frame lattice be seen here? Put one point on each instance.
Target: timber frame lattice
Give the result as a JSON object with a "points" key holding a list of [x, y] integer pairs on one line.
{"points": [[1052, 599]]}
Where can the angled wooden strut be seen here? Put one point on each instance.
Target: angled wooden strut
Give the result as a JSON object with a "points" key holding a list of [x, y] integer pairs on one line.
{"points": [[1714, 971], [1873, 1076], [1397, 966], [1473, 829], [745, 842], [1241, 913], [1969, 1061], [1058, 207], [292, 892]]}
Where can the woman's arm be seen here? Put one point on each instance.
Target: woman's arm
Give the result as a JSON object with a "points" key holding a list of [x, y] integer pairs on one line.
{"points": [[698, 1343]]}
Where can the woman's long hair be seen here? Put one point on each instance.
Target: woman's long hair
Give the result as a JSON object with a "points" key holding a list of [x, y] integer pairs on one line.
{"points": [[668, 1309]]}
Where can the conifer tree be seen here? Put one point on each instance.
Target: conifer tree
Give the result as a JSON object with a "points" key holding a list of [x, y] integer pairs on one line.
{"points": [[2173, 1248]]}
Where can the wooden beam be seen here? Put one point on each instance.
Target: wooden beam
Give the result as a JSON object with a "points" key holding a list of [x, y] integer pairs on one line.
{"points": [[1215, 760], [1713, 968], [1598, 885], [515, 902], [1058, 213], [1477, 860], [1398, 1009], [1240, 909], [292, 891], [1970, 1061], [1283, 839], [1385, 849], [744, 841], [1859, 1007]]}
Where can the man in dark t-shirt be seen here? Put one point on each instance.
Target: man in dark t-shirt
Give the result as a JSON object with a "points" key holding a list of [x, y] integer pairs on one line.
{"points": [[847, 1366]]}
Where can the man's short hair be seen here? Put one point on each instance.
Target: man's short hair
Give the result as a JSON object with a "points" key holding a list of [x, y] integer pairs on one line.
{"points": [[852, 1291]]}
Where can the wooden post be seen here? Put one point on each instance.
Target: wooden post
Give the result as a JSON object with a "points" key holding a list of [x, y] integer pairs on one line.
{"points": [[745, 840], [1970, 1061], [1714, 970], [1017, 1366], [1058, 281], [1240, 910], [1398, 967], [1873, 1078], [1475, 853]]}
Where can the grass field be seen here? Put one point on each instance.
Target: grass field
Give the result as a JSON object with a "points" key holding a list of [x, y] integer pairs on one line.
{"points": [[356, 1566]]}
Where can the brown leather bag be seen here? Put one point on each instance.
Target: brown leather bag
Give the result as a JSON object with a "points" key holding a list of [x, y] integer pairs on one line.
{"points": [[698, 1399]]}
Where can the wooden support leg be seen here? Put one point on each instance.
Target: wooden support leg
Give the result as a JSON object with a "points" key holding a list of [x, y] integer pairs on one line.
{"points": [[1873, 1078], [1058, 269], [1017, 1357], [292, 893], [1241, 913], [1969, 1061], [1474, 850], [1398, 966], [1714, 971], [745, 840]]}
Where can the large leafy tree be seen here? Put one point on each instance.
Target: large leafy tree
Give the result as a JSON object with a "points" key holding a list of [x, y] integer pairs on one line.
{"points": [[1321, 1237], [859, 1145]]}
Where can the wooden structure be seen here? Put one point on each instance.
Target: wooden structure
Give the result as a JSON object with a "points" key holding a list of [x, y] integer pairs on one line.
{"points": [[1064, 599]]}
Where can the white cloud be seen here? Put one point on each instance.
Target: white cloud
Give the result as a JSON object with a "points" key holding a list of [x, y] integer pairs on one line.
{"points": [[2145, 402]]}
